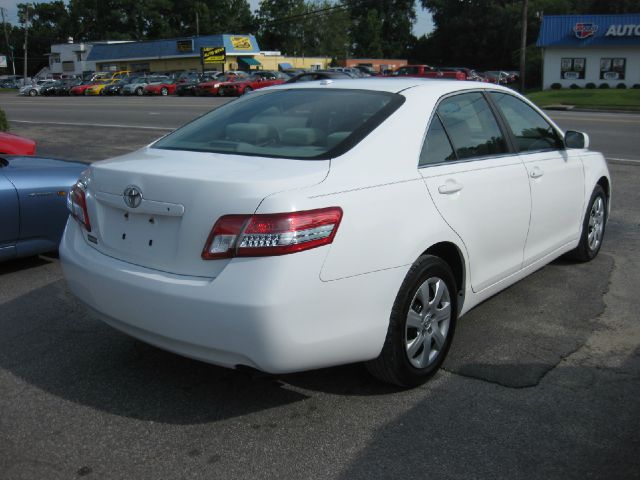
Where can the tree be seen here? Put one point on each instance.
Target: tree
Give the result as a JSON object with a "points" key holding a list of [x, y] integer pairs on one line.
{"points": [[381, 27], [279, 22]]}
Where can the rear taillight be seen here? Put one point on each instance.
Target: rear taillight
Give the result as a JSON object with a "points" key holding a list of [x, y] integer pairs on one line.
{"points": [[271, 234], [77, 204]]}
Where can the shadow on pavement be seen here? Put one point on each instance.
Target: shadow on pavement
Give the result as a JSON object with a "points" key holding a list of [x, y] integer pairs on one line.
{"points": [[16, 265], [568, 430], [51, 341]]}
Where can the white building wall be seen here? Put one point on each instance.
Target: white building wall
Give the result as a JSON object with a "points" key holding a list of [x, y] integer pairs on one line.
{"points": [[68, 52], [552, 58]]}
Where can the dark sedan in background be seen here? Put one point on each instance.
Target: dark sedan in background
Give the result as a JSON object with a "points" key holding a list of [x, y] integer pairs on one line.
{"points": [[60, 87], [115, 88], [189, 85], [318, 75]]}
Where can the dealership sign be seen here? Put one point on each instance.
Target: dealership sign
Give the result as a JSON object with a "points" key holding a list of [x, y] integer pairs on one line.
{"points": [[585, 30], [212, 55], [623, 31]]}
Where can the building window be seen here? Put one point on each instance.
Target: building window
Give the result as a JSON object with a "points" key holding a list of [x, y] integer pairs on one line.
{"points": [[79, 56], [572, 68], [612, 68]]}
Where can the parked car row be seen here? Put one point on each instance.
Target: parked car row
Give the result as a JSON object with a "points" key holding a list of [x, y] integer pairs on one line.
{"points": [[235, 83], [457, 73]]}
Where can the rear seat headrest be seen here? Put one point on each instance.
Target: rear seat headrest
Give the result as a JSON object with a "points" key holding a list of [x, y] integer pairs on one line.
{"points": [[303, 136], [254, 133]]}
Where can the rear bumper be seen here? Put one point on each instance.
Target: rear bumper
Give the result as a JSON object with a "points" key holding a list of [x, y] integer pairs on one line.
{"points": [[271, 313]]}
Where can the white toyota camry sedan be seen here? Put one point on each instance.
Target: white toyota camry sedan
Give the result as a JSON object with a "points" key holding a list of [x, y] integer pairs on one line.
{"points": [[317, 224]]}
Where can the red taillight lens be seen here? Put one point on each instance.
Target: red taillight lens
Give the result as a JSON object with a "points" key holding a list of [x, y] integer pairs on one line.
{"points": [[271, 234], [222, 239], [77, 205]]}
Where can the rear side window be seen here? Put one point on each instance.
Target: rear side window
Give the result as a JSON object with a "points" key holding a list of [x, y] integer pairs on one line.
{"points": [[531, 131], [297, 123], [436, 148], [471, 126]]}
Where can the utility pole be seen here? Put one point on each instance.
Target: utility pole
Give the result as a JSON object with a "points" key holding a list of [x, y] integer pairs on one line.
{"points": [[523, 45], [197, 24], [26, 35], [6, 37]]}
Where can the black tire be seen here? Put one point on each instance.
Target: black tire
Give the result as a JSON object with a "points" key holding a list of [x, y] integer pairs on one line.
{"points": [[164, 92], [393, 365], [247, 90], [33, 92], [587, 250], [139, 92]]}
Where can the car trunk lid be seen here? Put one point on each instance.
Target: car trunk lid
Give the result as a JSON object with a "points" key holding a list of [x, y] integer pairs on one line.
{"points": [[175, 197]]}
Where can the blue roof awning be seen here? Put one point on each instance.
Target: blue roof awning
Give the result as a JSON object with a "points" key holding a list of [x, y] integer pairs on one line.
{"points": [[169, 48], [285, 66]]}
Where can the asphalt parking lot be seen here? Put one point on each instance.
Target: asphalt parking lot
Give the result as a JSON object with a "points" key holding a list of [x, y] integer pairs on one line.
{"points": [[542, 380]]}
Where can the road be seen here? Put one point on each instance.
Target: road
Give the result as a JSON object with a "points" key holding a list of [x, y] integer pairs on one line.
{"points": [[57, 122], [542, 380]]}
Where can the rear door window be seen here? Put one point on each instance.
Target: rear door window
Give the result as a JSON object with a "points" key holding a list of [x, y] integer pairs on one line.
{"points": [[471, 126], [436, 147]]}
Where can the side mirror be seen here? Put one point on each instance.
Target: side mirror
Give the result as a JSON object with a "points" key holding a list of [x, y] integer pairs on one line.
{"points": [[576, 139]]}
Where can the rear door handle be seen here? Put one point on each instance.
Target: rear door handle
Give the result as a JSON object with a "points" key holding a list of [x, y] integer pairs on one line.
{"points": [[536, 172], [449, 187]]}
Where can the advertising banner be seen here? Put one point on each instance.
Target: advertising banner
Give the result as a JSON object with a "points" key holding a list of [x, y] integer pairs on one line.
{"points": [[212, 55], [241, 42]]}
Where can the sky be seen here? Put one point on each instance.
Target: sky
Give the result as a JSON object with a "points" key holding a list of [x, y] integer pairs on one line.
{"points": [[424, 23]]}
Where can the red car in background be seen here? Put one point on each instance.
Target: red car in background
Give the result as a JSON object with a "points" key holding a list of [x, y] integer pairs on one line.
{"points": [[82, 88], [14, 145], [162, 88], [259, 79], [211, 87]]}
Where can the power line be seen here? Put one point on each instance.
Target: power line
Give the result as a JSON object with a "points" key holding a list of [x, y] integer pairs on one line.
{"points": [[306, 14]]}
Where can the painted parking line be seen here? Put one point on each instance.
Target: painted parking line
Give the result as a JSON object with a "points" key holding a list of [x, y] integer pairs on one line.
{"points": [[623, 160], [104, 125]]}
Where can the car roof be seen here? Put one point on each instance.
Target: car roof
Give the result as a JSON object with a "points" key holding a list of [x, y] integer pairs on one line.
{"points": [[392, 85]]}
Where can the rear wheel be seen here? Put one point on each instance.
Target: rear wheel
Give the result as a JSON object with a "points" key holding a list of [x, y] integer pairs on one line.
{"points": [[139, 92], [33, 92], [421, 326], [164, 92], [247, 90], [593, 226]]}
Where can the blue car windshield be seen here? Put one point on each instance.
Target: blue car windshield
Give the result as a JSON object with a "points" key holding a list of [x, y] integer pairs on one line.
{"points": [[305, 123]]}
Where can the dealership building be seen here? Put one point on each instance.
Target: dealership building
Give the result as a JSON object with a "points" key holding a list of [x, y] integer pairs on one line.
{"points": [[581, 49], [222, 52]]}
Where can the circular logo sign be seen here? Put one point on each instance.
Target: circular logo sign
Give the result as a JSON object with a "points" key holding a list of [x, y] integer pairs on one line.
{"points": [[132, 196]]}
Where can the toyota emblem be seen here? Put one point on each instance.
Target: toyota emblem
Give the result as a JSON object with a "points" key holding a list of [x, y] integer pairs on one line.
{"points": [[132, 196]]}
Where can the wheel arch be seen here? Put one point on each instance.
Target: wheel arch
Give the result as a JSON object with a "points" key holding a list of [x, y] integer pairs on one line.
{"points": [[606, 186], [452, 255]]}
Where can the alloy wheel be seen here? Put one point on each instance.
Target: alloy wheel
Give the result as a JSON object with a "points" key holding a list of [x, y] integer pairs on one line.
{"points": [[428, 321], [596, 224]]}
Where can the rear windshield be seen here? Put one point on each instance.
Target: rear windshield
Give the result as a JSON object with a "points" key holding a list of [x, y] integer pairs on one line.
{"points": [[297, 123]]}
